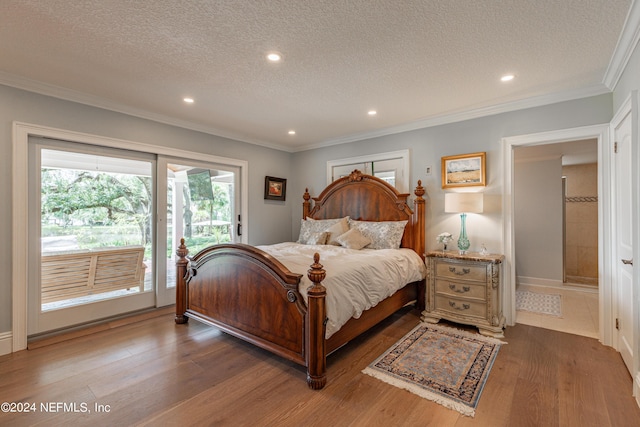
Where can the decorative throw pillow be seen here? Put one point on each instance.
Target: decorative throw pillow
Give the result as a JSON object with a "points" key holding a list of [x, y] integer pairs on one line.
{"points": [[353, 239], [383, 234], [336, 230]]}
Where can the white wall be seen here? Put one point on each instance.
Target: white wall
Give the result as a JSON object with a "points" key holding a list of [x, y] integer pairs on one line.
{"points": [[273, 222], [428, 145], [269, 222], [538, 218]]}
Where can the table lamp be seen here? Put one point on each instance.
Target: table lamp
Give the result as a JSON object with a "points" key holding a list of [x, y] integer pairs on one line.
{"points": [[463, 203]]}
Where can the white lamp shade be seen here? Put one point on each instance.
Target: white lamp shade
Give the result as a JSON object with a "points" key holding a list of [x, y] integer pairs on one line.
{"points": [[463, 202]]}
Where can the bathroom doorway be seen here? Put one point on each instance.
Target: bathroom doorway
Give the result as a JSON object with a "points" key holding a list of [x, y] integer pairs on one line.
{"points": [[556, 233]]}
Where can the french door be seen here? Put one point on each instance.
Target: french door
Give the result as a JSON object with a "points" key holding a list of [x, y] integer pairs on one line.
{"points": [[106, 242], [118, 251], [91, 216], [202, 206]]}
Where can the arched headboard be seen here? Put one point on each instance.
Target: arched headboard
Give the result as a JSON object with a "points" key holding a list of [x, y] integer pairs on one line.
{"points": [[365, 197]]}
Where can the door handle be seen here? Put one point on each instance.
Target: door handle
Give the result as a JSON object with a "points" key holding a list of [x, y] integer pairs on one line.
{"points": [[627, 261], [239, 230]]}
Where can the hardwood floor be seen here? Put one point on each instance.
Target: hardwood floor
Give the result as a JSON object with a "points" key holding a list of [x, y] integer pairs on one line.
{"points": [[156, 373]]}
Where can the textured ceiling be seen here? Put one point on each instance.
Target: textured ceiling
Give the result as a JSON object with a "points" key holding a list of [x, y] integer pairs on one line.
{"points": [[412, 61]]}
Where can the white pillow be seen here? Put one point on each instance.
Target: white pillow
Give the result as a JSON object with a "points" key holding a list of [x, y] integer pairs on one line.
{"points": [[308, 226], [383, 234], [353, 239], [319, 238]]}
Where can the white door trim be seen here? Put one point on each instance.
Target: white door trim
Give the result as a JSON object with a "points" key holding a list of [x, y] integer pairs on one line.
{"points": [[601, 133], [21, 133]]}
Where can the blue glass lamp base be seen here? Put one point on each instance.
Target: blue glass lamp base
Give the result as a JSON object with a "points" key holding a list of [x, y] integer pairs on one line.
{"points": [[463, 241]]}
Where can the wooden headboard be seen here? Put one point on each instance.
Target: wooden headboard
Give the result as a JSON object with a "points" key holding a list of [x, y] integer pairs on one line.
{"points": [[365, 197]]}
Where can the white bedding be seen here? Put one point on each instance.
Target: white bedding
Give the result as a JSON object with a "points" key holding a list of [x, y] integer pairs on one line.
{"points": [[356, 279]]}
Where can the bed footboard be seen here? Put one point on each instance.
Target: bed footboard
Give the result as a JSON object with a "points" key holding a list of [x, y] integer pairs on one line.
{"points": [[251, 295]]}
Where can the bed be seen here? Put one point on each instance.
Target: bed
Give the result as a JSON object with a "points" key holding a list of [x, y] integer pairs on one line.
{"points": [[252, 295]]}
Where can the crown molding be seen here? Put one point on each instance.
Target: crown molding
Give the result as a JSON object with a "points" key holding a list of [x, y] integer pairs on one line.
{"points": [[627, 43], [460, 116], [46, 89]]}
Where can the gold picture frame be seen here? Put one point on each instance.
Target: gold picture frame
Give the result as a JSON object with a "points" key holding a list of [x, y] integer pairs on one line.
{"points": [[464, 170]]}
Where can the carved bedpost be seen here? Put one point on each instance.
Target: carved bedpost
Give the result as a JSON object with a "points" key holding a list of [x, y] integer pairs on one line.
{"points": [[419, 225], [316, 327], [181, 282], [306, 205], [418, 220]]}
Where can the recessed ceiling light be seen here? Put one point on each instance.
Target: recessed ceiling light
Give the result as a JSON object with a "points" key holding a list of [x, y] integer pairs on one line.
{"points": [[507, 77], [188, 100], [274, 57], [292, 132], [372, 112]]}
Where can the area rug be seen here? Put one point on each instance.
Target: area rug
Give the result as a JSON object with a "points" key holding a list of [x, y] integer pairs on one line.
{"points": [[439, 363], [533, 302]]}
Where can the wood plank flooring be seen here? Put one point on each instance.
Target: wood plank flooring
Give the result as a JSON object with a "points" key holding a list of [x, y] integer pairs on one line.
{"points": [[155, 373]]}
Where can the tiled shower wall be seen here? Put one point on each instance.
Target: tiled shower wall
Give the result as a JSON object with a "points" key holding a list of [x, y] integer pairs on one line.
{"points": [[581, 223]]}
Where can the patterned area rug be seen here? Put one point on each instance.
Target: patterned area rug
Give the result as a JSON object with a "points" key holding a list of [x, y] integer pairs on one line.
{"points": [[439, 363], [550, 304]]}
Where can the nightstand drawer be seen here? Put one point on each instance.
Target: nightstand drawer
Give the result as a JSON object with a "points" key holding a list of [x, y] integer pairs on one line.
{"points": [[461, 271], [461, 307], [461, 289]]}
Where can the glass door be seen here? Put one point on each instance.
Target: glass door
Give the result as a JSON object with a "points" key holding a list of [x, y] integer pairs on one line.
{"points": [[94, 216], [202, 205]]}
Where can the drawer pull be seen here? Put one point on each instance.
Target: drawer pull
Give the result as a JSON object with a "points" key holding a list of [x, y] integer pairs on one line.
{"points": [[460, 291], [460, 273], [464, 306]]}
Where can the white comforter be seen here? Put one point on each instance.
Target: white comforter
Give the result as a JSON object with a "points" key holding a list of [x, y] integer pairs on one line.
{"points": [[356, 279]]}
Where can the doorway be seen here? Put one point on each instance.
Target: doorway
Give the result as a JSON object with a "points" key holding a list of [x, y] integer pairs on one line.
{"points": [[556, 236], [556, 197], [601, 134], [22, 205]]}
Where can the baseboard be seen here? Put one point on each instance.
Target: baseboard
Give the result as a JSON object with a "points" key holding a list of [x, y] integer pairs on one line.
{"points": [[551, 283], [636, 388], [94, 327], [537, 281], [6, 343]]}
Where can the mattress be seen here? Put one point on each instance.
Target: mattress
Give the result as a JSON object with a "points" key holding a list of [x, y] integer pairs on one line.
{"points": [[356, 279]]}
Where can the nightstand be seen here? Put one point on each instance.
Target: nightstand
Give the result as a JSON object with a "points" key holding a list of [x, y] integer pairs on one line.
{"points": [[465, 289]]}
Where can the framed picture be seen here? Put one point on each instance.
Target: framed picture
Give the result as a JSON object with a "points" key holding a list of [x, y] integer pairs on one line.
{"points": [[275, 188], [464, 170]]}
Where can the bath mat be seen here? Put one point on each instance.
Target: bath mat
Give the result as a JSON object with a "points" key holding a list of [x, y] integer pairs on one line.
{"points": [[549, 304], [439, 363]]}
